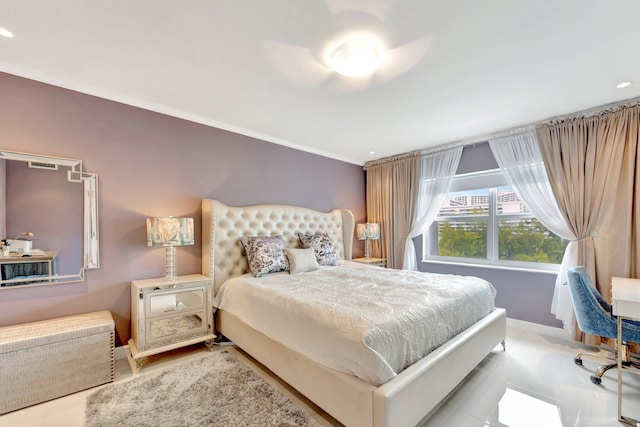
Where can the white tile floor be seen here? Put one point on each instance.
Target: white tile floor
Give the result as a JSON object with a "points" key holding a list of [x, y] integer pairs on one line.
{"points": [[534, 383]]}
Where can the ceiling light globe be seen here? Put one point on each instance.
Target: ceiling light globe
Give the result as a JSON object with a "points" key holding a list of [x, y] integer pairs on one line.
{"points": [[5, 33], [355, 59]]}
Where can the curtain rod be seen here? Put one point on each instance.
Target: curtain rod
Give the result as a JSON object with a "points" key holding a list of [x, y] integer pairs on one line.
{"points": [[510, 131]]}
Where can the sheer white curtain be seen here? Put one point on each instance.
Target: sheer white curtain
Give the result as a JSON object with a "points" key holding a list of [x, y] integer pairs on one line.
{"points": [[520, 159], [436, 174]]}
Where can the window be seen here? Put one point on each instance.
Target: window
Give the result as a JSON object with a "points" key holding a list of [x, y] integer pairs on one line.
{"points": [[482, 221]]}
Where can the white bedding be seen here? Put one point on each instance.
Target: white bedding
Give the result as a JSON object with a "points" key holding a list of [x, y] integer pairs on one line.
{"points": [[366, 321]]}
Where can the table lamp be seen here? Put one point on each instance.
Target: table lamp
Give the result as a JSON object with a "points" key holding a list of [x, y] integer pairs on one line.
{"points": [[170, 232], [368, 232]]}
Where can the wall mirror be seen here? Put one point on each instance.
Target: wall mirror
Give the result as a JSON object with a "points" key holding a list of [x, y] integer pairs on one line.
{"points": [[48, 220]]}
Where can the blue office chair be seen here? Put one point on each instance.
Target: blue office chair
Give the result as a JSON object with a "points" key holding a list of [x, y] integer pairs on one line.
{"points": [[594, 316]]}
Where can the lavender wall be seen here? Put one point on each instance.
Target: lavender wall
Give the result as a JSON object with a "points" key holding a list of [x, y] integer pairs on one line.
{"points": [[526, 295], [149, 164]]}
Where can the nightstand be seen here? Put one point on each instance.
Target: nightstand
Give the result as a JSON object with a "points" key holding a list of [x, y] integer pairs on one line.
{"points": [[379, 262], [166, 315]]}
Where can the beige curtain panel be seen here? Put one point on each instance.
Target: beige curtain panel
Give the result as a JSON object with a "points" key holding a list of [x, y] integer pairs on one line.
{"points": [[392, 191], [594, 170]]}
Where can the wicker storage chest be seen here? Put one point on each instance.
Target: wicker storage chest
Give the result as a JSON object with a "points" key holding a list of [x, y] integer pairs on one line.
{"points": [[45, 360]]}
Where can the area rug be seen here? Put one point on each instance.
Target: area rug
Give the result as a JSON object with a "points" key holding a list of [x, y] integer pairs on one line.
{"points": [[215, 390]]}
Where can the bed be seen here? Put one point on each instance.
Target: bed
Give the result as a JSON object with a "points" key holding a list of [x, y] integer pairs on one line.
{"points": [[405, 398]]}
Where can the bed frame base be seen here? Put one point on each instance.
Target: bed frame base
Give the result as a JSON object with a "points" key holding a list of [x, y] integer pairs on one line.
{"points": [[403, 401]]}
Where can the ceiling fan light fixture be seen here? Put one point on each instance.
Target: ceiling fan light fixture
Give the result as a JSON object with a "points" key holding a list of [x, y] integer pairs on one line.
{"points": [[5, 33], [355, 58]]}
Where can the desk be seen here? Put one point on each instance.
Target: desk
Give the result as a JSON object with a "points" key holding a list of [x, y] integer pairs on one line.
{"points": [[39, 265], [626, 305]]}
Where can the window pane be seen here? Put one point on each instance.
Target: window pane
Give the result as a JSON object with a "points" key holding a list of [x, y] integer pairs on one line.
{"points": [[473, 202], [508, 202], [465, 238], [525, 239]]}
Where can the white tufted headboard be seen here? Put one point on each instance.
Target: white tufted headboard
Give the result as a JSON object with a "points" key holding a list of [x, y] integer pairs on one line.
{"points": [[222, 227]]}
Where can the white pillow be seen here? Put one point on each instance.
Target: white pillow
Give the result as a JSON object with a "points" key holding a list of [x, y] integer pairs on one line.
{"points": [[321, 245], [301, 260]]}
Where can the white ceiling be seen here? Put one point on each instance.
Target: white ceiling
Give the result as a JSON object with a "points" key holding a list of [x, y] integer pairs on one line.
{"points": [[454, 70]]}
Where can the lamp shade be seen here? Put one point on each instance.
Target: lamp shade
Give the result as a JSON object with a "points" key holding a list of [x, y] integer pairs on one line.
{"points": [[368, 231], [170, 231]]}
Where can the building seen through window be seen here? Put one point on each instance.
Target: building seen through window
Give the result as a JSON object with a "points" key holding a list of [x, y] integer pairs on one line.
{"points": [[491, 225]]}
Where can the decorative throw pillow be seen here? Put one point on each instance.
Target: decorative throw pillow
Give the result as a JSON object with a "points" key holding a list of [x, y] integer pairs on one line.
{"points": [[265, 254], [321, 245], [301, 260]]}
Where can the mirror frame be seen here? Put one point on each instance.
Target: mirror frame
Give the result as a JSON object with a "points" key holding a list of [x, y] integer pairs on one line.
{"points": [[90, 244]]}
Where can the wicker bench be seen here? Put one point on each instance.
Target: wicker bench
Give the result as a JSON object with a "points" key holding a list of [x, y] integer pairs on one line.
{"points": [[45, 360]]}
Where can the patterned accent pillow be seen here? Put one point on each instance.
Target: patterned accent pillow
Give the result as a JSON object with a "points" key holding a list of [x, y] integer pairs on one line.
{"points": [[322, 246], [301, 260], [265, 254]]}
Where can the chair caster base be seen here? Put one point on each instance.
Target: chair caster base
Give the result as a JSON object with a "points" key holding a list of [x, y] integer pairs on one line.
{"points": [[596, 380], [577, 361]]}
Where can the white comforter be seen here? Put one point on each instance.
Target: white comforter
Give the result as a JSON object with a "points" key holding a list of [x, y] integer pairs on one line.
{"points": [[367, 321]]}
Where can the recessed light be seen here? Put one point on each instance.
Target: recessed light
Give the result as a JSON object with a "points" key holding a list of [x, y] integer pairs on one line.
{"points": [[355, 58], [372, 152], [623, 85], [5, 33]]}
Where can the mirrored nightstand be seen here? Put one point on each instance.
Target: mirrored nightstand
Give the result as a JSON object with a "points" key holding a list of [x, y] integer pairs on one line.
{"points": [[166, 315], [379, 262]]}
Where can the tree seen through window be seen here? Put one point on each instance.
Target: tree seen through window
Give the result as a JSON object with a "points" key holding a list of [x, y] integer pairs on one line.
{"points": [[492, 224]]}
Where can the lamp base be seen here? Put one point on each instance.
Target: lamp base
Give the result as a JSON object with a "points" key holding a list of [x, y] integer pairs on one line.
{"points": [[170, 270], [367, 248]]}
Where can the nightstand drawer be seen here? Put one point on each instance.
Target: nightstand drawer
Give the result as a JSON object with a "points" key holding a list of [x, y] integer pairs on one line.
{"points": [[164, 330], [171, 300]]}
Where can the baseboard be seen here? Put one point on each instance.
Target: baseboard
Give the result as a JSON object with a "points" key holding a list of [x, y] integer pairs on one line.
{"points": [[122, 352], [546, 330]]}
